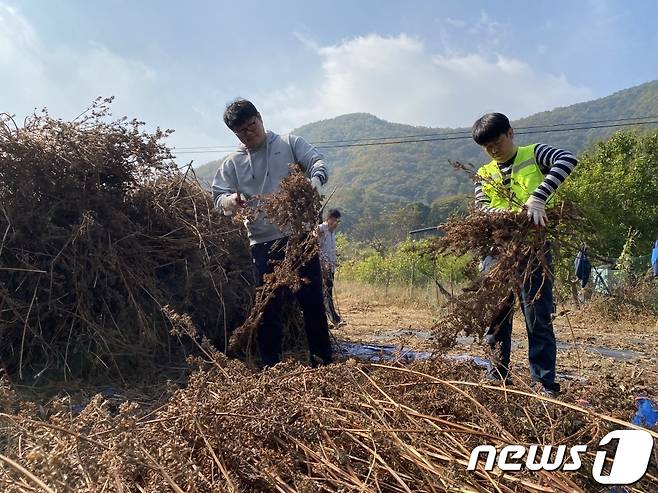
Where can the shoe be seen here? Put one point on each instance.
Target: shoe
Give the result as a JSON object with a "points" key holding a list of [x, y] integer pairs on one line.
{"points": [[495, 378], [553, 391], [546, 392], [317, 361]]}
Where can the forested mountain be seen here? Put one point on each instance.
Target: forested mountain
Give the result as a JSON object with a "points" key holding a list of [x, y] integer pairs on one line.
{"points": [[374, 179]]}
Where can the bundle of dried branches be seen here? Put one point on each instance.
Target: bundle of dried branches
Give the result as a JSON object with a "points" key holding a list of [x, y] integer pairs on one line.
{"points": [[98, 230], [350, 427], [517, 250], [295, 208]]}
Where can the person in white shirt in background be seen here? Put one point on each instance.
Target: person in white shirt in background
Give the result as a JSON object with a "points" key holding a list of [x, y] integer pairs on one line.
{"points": [[329, 262]]}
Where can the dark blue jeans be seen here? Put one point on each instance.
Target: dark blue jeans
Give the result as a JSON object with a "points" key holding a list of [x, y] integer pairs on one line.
{"points": [[537, 307], [310, 298]]}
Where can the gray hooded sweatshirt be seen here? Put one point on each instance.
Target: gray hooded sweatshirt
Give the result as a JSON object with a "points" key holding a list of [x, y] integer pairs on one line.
{"points": [[259, 172]]}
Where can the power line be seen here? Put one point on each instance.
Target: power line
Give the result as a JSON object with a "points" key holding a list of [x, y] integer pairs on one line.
{"points": [[436, 134], [538, 129], [468, 132], [464, 137], [206, 147]]}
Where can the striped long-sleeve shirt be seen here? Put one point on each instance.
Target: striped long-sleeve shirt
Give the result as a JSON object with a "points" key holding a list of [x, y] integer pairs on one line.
{"points": [[555, 164]]}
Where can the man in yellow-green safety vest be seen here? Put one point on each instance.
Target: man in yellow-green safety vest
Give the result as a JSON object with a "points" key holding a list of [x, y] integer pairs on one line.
{"points": [[522, 179]]}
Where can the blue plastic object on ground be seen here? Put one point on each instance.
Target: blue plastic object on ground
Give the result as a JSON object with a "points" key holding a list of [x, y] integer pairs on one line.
{"points": [[646, 416], [654, 259], [647, 412]]}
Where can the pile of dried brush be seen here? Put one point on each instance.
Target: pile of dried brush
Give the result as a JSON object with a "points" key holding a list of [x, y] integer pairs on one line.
{"points": [[99, 231], [341, 428]]}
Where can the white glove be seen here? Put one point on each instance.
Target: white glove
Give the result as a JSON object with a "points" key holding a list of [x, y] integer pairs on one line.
{"points": [[315, 181], [536, 210], [231, 203], [487, 263]]}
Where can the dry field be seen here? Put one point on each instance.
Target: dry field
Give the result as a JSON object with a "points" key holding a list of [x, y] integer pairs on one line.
{"points": [[589, 343]]}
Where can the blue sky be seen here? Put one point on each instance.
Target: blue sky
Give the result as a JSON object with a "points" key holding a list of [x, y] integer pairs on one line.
{"points": [[176, 64]]}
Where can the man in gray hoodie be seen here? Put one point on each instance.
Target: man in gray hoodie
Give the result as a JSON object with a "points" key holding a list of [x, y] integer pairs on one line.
{"points": [[257, 168]]}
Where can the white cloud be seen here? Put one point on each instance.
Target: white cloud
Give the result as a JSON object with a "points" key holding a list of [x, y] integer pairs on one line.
{"points": [[480, 33], [66, 79], [398, 79], [305, 40], [459, 23], [489, 29], [36, 75]]}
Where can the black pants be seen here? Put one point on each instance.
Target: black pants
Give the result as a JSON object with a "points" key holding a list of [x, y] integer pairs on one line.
{"points": [[537, 306], [330, 308], [310, 298]]}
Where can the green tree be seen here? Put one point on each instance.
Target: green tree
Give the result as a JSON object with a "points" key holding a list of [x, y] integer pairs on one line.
{"points": [[408, 264], [401, 221], [616, 186], [444, 207]]}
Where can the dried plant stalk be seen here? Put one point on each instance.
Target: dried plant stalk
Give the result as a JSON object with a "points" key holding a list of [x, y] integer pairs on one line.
{"points": [[349, 427]]}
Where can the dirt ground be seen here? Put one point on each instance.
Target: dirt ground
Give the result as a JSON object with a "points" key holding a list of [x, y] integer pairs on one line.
{"points": [[588, 343]]}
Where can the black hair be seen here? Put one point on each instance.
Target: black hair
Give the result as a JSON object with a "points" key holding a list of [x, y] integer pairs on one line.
{"points": [[238, 112], [489, 127], [335, 213]]}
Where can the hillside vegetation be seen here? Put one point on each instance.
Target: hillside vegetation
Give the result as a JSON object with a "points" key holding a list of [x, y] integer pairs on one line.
{"points": [[380, 179]]}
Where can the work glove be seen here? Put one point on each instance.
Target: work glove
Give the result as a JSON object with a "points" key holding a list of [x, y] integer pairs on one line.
{"points": [[315, 181], [536, 209], [231, 203], [487, 263]]}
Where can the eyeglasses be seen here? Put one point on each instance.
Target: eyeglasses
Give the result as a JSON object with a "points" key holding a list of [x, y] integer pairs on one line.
{"points": [[248, 127]]}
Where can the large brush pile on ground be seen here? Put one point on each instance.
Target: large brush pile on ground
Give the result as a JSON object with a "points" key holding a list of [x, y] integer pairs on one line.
{"points": [[341, 428], [98, 232]]}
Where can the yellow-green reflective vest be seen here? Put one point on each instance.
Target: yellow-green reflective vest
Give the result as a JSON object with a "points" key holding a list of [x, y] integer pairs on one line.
{"points": [[526, 177]]}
